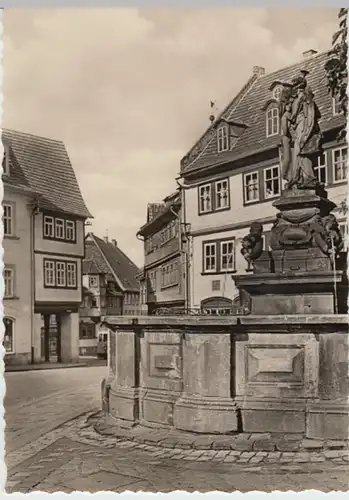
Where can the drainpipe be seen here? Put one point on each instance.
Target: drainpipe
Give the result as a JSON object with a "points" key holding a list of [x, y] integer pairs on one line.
{"points": [[35, 211], [186, 252]]}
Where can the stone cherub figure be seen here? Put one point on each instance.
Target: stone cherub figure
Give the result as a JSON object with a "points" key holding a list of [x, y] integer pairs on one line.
{"points": [[252, 244], [300, 133], [326, 235]]}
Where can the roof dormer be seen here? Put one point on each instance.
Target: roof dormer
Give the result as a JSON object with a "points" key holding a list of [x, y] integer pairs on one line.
{"points": [[228, 132]]}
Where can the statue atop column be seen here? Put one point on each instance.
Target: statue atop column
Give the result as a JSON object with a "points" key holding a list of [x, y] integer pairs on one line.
{"points": [[300, 133]]}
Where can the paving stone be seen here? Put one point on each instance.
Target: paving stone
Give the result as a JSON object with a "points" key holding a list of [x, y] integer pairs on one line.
{"points": [[302, 457], [242, 445], [264, 436], [247, 454], [336, 445], [221, 454], [222, 445], [256, 460], [340, 467], [332, 453], [230, 458], [312, 444], [169, 443], [264, 445], [262, 454], [283, 445], [316, 459]]}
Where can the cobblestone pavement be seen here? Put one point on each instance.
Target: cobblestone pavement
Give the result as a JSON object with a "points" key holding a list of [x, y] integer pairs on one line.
{"points": [[37, 402], [74, 457]]}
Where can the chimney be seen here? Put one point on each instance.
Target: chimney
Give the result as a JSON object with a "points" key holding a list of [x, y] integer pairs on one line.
{"points": [[258, 71], [309, 53], [106, 239], [114, 242]]}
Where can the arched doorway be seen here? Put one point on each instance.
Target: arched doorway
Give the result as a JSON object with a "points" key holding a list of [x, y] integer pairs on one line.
{"points": [[217, 306]]}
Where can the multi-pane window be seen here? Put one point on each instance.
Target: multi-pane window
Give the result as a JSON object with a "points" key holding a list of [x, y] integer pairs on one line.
{"points": [[149, 244], [277, 92], [272, 121], [271, 182], [222, 194], [60, 274], [49, 273], [92, 281], [251, 187], [205, 198], [9, 282], [223, 138], [210, 257], [320, 168], [169, 275], [70, 230], [214, 196], [71, 275], [152, 280], [227, 255], [8, 219], [87, 331], [49, 226], [8, 341], [169, 232], [219, 256], [340, 164], [59, 226]]}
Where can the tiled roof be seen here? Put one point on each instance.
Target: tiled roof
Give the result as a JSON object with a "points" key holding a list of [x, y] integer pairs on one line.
{"points": [[250, 110], [170, 201], [113, 260], [90, 265], [43, 167]]}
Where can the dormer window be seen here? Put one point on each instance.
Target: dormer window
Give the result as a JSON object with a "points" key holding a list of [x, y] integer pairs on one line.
{"points": [[223, 138], [277, 92], [336, 106], [6, 161], [272, 121]]}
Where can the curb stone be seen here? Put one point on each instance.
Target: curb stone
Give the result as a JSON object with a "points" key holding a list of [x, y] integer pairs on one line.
{"points": [[244, 446]]}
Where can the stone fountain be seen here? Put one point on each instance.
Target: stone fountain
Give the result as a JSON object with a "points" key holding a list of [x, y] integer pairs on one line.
{"points": [[281, 369], [294, 375]]}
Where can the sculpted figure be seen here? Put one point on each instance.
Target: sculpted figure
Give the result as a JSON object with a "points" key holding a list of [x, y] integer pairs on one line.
{"points": [[252, 244], [300, 134], [333, 235], [327, 236]]}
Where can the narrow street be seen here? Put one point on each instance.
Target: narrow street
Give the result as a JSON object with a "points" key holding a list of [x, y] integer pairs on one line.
{"points": [[38, 401]]}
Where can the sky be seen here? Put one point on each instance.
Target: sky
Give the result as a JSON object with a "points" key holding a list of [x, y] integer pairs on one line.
{"points": [[129, 90]]}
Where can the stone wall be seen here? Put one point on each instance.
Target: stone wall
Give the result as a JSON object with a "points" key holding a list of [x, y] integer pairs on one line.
{"points": [[279, 374]]}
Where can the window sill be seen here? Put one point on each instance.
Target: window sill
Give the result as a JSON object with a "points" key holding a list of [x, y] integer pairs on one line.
{"points": [[11, 237], [168, 286], [217, 210], [13, 297], [215, 273]]}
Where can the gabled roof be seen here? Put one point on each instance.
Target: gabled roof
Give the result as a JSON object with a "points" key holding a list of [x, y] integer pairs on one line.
{"points": [[43, 167], [248, 109], [170, 202], [113, 261]]}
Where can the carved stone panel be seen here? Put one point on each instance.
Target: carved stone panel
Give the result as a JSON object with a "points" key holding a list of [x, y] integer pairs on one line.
{"points": [[161, 361], [277, 365]]}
